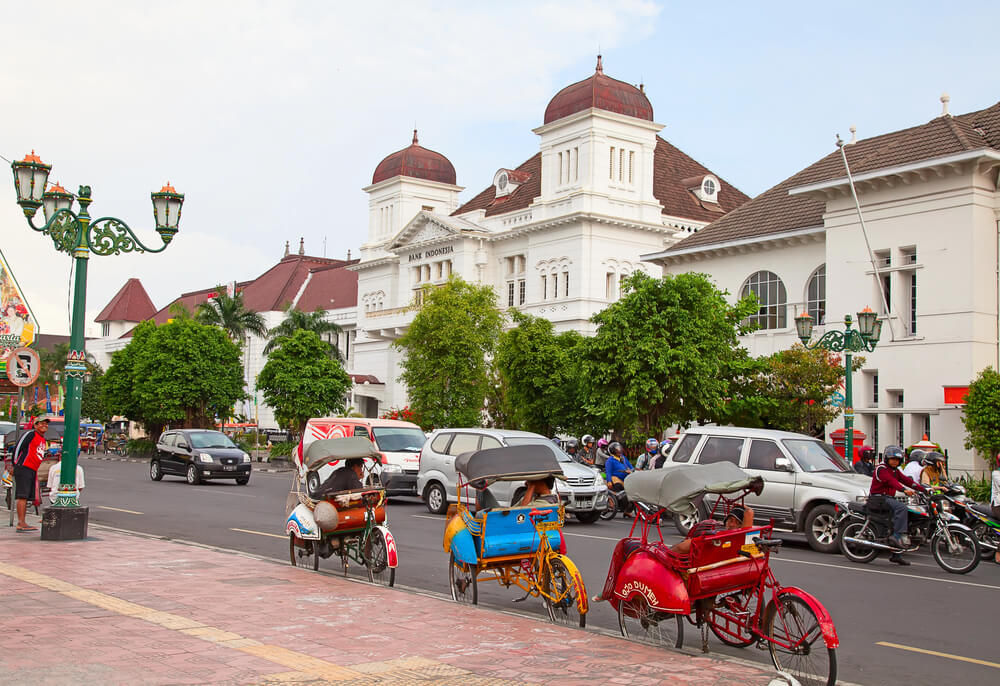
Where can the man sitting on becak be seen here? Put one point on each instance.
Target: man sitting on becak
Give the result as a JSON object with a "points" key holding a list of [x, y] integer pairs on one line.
{"points": [[346, 478], [739, 517], [539, 493]]}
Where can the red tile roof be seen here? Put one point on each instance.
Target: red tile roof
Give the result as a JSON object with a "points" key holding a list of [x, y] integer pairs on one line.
{"points": [[130, 304], [775, 211], [330, 288], [670, 168]]}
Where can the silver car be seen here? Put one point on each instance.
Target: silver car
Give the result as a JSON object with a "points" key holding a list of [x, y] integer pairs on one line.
{"points": [[582, 493], [803, 477]]}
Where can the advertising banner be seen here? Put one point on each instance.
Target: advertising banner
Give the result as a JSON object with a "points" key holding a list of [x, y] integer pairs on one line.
{"points": [[17, 324]]}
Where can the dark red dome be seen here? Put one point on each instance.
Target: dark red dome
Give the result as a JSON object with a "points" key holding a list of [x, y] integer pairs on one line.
{"points": [[415, 162], [601, 92]]}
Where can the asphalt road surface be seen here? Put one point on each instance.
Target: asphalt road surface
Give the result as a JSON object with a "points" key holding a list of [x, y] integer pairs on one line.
{"points": [[948, 622]]}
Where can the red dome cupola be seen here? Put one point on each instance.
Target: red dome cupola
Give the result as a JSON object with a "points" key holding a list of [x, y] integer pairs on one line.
{"points": [[600, 92], [415, 162]]}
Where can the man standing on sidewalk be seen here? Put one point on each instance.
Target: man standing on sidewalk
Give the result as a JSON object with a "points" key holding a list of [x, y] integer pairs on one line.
{"points": [[27, 456]]}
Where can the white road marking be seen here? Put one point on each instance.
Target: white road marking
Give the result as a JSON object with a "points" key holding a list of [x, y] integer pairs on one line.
{"points": [[118, 509], [259, 533], [940, 580]]}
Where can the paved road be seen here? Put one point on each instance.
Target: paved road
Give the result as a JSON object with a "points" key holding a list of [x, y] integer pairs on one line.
{"points": [[921, 607]]}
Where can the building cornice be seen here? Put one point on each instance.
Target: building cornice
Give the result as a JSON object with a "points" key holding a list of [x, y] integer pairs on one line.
{"points": [[574, 217], [414, 180], [600, 114], [812, 234]]}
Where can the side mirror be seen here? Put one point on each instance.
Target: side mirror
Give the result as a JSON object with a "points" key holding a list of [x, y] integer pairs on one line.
{"points": [[783, 464]]}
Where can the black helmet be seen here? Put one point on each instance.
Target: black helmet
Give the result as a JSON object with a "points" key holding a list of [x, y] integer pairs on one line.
{"points": [[572, 444], [933, 457], [893, 451], [615, 448], [587, 439], [917, 454]]}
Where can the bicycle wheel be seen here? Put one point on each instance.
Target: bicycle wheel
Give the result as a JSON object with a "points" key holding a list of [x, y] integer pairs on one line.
{"points": [[462, 579], [376, 556], [803, 654], [639, 622], [732, 617], [564, 589]]}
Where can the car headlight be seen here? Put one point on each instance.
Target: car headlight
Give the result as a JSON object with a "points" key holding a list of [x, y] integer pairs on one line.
{"points": [[598, 481], [391, 468], [246, 458], [204, 457]]}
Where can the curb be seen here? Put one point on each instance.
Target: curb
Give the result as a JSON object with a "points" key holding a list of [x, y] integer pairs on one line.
{"points": [[143, 460]]}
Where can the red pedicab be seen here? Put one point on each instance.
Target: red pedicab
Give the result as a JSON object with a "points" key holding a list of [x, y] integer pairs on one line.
{"points": [[723, 584]]}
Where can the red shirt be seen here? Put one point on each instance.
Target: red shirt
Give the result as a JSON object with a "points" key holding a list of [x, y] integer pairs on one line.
{"points": [[36, 450], [886, 481]]}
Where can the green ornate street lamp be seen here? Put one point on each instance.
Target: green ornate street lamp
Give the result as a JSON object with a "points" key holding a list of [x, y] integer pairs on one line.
{"points": [[862, 339], [76, 234]]}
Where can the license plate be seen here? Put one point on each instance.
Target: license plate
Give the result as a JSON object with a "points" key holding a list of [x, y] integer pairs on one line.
{"points": [[229, 467]]}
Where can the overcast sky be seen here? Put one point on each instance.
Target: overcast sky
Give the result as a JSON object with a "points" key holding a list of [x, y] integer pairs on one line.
{"points": [[271, 116]]}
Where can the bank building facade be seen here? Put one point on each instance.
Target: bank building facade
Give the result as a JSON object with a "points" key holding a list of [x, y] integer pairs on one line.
{"points": [[554, 235]]}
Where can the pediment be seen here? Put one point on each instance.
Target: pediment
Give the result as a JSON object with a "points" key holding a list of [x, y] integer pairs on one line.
{"points": [[421, 229]]}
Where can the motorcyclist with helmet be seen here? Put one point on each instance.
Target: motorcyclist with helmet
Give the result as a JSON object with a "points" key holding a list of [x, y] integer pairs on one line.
{"points": [[934, 471], [646, 460], [601, 454], [913, 464], [587, 450], [664, 451], [617, 467], [572, 448], [887, 479], [866, 464]]}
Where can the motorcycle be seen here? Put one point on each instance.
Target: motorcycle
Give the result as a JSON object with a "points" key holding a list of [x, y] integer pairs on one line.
{"points": [[617, 502], [865, 531], [979, 518]]}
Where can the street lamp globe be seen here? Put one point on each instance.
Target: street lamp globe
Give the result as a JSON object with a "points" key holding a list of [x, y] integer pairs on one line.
{"points": [[30, 175], [804, 327], [167, 211], [866, 324], [55, 199]]}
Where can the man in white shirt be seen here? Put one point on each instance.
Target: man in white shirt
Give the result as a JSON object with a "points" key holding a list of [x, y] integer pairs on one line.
{"points": [[55, 476], [913, 466]]}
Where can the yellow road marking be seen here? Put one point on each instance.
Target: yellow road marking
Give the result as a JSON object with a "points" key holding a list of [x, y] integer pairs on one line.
{"points": [[937, 654], [117, 509], [300, 662], [259, 533]]}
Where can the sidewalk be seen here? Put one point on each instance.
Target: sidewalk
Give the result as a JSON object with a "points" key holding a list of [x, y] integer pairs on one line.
{"points": [[129, 609]]}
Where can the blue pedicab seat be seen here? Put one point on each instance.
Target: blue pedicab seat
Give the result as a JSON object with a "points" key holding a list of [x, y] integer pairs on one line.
{"points": [[501, 534]]}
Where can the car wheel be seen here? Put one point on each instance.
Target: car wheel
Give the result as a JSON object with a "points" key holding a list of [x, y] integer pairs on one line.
{"points": [[155, 473], [312, 482], [192, 475], [243, 480], [436, 499], [588, 517], [684, 523], [821, 529]]}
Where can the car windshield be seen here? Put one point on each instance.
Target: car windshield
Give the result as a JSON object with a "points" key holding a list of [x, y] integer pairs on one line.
{"points": [[210, 439], [815, 456], [560, 455], [392, 439]]}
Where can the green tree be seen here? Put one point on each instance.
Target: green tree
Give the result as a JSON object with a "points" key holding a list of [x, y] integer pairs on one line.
{"points": [[92, 399], [183, 373], [981, 414], [666, 353], [539, 374], [447, 349], [301, 381], [231, 315], [308, 321]]}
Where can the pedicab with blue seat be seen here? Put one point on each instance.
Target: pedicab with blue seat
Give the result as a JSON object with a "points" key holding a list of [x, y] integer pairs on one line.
{"points": [[514, 546]]}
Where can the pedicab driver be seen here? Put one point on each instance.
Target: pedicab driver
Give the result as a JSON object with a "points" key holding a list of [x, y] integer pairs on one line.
{"points": [[886, 480], [346, 478]]}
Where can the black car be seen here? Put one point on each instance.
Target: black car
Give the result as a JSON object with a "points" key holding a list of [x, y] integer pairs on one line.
{"points": [[198, 454]]}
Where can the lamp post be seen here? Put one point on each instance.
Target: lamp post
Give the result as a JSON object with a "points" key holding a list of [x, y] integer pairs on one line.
{"points": [[862, 339], [77, 235]]}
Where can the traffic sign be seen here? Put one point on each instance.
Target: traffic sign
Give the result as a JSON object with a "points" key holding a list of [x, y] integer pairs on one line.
{"points": [[23, 366]]}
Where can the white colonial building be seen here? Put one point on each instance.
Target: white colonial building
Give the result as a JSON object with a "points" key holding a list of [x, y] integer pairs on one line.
{"points": [[554, 235], [930, 201]]}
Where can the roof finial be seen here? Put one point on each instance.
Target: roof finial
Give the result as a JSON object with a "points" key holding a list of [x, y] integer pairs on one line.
{"points": [[600, 64], [348, 254], [945, 99], [302, 246], [286, 249], [414, 136], [854, 135]]}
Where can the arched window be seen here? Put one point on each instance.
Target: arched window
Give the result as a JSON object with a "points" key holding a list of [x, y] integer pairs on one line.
{"points": [[816, 295], [771, 295]]}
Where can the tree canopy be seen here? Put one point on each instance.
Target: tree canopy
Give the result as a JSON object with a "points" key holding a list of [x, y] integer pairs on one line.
{"points": [[447, 349], [301, 381], [981, 415], [308, 321], [666, 353], [231, 315], [183, 373], [539, 373]]}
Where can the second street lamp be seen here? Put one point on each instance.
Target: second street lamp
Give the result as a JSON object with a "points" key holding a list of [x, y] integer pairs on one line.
{"points": [[76, 234], [862, 339]]}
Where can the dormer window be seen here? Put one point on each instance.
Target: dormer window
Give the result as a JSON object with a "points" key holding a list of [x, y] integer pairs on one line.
{"points": [[708, 190], [506, 181]]}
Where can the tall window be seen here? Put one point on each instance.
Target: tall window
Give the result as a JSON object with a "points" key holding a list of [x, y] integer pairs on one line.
{"points": [[566, 284], [520, 292], [770, 292], [545, 287], [913, 304], [816, 295], [105, 328], [899, 431], [631, 167], [510, 294], [560, 169], [611, 164], [875, 389], [609, 286], [555, 285]]}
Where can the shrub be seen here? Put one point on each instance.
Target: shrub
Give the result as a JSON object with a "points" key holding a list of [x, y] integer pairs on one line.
{"points": [[283, 449], [977, 487], [140, 447]]}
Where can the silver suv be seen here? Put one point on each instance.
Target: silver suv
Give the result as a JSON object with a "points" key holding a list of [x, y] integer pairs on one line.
{"points": [[582, 493], [803, 477]]}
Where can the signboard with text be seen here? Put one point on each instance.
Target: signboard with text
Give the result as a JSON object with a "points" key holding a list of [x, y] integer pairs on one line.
{"points": [[17, 326]]}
